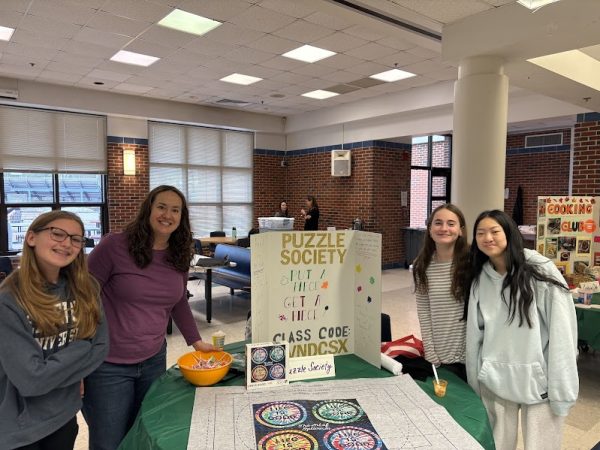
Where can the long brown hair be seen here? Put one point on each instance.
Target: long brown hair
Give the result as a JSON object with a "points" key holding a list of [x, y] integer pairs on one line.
{"points": [[29, 286], [460, 259], [141, 237]]}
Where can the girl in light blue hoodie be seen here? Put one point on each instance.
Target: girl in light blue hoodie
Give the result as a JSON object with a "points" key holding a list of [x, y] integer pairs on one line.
{"points": [[521, 337]]}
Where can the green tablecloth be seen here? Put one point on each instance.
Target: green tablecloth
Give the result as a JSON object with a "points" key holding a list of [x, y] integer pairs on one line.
{"points": [[165, 416], [588, 324]]}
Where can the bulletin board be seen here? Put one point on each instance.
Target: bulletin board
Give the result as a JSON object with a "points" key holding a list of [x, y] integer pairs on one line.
{"points": [[567, 232], [319, 291]]}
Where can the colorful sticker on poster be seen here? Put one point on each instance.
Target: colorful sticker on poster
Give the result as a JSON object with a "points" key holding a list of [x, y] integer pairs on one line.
{"points": [[567, 243], [554, 225], [565, 256], [310, 425], [540, 230], [551, 248], [563, 267], [266, 364], [540, 248], [584, 246]]}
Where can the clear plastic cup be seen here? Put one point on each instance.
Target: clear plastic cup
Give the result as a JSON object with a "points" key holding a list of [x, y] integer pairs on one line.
{"points": [[439, 387]]}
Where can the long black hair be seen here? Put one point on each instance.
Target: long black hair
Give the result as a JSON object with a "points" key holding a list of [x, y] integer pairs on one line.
{"points": [[520, 274], [141, 238], [460, 259]]}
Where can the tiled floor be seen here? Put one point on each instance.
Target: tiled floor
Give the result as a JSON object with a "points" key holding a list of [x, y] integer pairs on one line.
{"points": [[582, 429]]}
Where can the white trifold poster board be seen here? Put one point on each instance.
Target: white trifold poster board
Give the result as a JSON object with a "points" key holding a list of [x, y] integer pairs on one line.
{"points": [[318, 290]]}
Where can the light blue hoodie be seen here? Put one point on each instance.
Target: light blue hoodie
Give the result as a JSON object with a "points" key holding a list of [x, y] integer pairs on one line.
{"points": [[521, 364]]}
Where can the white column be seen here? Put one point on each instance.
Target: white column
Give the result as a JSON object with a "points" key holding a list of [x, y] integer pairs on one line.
{"points": [[479, 138]]}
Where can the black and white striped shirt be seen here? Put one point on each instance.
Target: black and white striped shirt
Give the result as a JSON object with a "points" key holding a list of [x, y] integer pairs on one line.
{"points": [[440, 315]]}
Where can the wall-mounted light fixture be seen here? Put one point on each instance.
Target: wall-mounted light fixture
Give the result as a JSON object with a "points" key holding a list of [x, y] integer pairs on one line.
{"points": [[128, 162]]}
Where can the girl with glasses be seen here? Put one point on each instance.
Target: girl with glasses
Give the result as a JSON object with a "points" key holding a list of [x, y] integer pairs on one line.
{"points": [[52, 335]]}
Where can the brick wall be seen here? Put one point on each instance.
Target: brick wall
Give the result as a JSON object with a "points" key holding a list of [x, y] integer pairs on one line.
{"points": [[269, 188], [539, 171], [586, 155], [126, 192]]}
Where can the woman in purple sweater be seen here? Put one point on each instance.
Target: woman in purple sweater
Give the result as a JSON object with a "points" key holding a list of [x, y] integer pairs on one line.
{"points": [[143, 274]]}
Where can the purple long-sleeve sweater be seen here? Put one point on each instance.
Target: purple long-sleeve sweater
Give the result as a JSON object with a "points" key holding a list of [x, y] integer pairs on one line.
{"points": [[138, 302]]}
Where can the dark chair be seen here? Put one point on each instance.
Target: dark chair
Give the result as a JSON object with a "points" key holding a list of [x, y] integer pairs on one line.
{"points": [[386, 328], [90, 243], [244, 242], [197, 246], [5, 267], [214, 246]]}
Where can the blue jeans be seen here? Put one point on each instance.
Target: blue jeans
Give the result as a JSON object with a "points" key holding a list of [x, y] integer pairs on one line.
{"points": [[113, 396]]}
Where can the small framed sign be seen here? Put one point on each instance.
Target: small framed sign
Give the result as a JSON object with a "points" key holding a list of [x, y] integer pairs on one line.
{"points": [[266, 364], [309, 367]]}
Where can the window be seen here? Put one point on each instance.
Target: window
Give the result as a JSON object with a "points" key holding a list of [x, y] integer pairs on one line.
{"points": [[212, 167], [431, 159], [50, 160], [543, 140], [27, 195]]}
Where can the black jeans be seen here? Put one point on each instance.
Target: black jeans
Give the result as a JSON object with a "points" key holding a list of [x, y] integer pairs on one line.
{"points": [[63, 438]]}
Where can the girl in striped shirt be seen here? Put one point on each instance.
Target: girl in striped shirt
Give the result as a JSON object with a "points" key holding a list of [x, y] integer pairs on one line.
{"points": [[440, 273]]}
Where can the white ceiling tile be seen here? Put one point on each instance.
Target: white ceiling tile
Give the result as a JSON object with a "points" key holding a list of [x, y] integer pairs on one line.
{"points": [[423, 52], [103, 38], [303, 31], [67, 12], [232, 34], [14, 5], [315, 83], [245, 55], [371, 51], [340, 61], [144, 81], [394, 42], [339, 42], [424, 67], [47, 26], [314, 70], [341, 76], [10, 18], [274, 44], [87, 50], [289, 7], [279, 62], [256, 70], [62, 77], [74, 69], [132, 88], [262, 19], [29, 51], [220, 10], [112, 66], [291, 77], [186, 58], [367, 68], [435, 9], [450, 73], [37, 40], [114, 24], [400, 58], [167, 36], [146, 11], [418, 81], [150, 48], [108, 75], [204, 74], [366, 33], [23, 71], [162, 93], [25, 61], [75, 60], [328, 20], [203, 46]]}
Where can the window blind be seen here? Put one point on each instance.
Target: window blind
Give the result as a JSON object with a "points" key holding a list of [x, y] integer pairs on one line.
{"points": [[51, 141], [212, 167]]}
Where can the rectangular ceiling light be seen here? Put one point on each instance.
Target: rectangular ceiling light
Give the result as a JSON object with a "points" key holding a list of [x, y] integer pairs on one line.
{"points": [[320, 94], [392, 75], [136, 59], [574, 64], [535, 4], [188, 23], [309, 54], [6, 33], [238, 78]]}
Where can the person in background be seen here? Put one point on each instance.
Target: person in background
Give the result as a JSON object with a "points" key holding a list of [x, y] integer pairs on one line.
{"points": [[310, 213], [440, 274], [283, 210], [143, 273], [52, 335], [521, 337]]}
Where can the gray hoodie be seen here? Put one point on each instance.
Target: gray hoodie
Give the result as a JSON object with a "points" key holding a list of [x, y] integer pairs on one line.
{"points": [[521, 364], [40, 377]]}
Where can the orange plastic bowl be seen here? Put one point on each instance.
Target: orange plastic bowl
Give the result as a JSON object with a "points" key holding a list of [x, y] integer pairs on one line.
{"points": [[204, 377]]}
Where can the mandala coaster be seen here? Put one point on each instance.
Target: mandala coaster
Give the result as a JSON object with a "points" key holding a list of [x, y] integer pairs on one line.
{"points": [[259, 355], [352, 438], [277, 371], [277, 354], [288, 440], [337, 411], [281, 414], [259, 373]]}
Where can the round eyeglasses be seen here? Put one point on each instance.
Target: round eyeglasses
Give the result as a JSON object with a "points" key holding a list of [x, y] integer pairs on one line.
{"points": [[59, 235]]}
